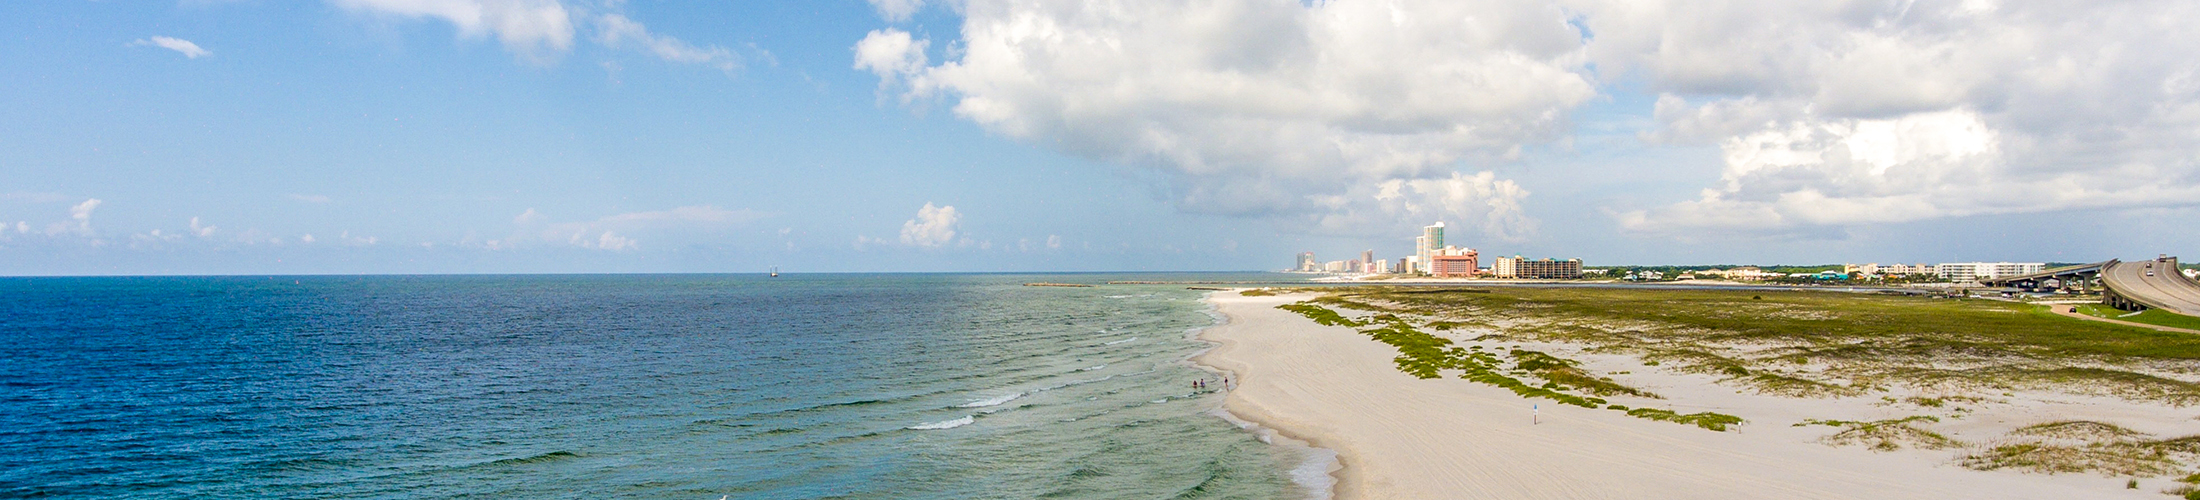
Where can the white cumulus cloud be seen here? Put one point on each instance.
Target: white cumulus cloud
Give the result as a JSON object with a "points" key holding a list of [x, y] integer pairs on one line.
{"points": [[82, 214], [606, 240], [933, 227], [1833, 114], [534, 29], [891, 54], [1360, 114], [200, 229], [1257, 107], [181, 46]]}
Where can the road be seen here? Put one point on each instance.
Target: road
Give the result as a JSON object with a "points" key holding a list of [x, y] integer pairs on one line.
{"points": [[2166, 288], [2064, 310]]}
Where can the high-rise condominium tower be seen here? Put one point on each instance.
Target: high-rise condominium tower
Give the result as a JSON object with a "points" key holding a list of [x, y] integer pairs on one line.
{"points": [[1429, 244]]}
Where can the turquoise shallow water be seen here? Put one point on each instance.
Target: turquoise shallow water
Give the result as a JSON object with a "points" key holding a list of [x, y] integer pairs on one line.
{"points": [[661, 386]]}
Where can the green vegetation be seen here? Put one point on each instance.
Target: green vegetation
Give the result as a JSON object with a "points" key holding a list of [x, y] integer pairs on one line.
{"points": [[1427, 356], [1257, 292], [1814, 344], [2081, 446], [2077, 429], [1886, 435], [2155, 317], [1320, 315], [1564, 373], [1707, 420]]}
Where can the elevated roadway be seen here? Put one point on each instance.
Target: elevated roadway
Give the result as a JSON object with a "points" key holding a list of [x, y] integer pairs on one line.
{"points": [[2151, 284], [2077, 278]]}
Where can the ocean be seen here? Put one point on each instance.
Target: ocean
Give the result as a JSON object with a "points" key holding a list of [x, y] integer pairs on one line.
{"points": [[892, 386]]}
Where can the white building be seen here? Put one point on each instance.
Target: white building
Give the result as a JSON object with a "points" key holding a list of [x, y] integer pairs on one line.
{"points": [[1907, 269], [1427, 245], [1740, 274], [1964, 272]]}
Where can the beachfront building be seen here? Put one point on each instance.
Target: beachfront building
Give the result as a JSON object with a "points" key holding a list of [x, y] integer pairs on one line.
{"points": [[1455, 262], [1523, 268], [1307, 264], [1745, 273], [1907, 269], [1966, 272], [1428, 244], [1871, 269]]}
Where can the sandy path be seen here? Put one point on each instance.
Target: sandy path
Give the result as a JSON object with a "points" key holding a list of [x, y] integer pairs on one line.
{"points": [[1401, 438], [2064, 310]]}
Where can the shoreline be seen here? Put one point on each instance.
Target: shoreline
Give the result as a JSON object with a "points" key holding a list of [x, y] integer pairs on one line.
{"points": [[1396, 436], [1319, 469]]}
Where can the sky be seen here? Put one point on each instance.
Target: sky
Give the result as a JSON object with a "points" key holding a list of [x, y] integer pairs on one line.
{"points": [[583, 136]]}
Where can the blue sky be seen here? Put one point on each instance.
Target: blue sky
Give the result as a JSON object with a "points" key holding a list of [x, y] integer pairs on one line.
{"points": [[433, 136]]}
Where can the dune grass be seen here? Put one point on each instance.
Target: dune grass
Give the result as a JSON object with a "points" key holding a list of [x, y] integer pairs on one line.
{"points": [[1707, 420], [2066, 447], [1427, 356], [1886, 435]]}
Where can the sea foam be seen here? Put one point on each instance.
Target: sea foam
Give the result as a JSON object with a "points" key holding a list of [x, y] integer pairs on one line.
{"points": [[945, 424], [1120, 341], [992, 401]]}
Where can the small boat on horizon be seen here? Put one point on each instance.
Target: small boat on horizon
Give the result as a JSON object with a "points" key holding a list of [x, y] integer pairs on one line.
{"points": [[775, 271]]}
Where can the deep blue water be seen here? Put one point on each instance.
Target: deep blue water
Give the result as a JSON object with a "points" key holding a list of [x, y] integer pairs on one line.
{"points": [[649, 386]]}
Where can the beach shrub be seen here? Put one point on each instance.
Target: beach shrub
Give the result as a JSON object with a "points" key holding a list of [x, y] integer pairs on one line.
{"points": [[1320, 315], [1706, 420], [1885, 435], [1562, 373]]}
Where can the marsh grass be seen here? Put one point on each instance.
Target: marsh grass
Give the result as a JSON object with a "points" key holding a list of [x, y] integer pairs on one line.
{"points": [[1886, 435]]}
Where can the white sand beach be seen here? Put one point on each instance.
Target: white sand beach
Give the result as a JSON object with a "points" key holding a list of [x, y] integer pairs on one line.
{"points": [[1399, 437]]}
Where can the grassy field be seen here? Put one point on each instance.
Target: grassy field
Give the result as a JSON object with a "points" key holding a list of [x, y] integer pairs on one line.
{"points": [[2151, 316]]}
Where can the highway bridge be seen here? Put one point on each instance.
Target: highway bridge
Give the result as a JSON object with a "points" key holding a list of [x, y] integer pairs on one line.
{"points": [[2147, 284]]}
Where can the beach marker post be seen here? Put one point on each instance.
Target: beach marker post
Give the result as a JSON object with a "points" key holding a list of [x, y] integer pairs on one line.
{"points": [[1537, 410]]}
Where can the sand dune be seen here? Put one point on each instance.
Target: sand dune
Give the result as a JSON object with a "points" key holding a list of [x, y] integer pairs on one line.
{"points": [[1399, 437]]}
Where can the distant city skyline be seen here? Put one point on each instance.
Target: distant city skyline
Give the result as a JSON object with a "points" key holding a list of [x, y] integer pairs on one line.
{"points": [[467, 136]]}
